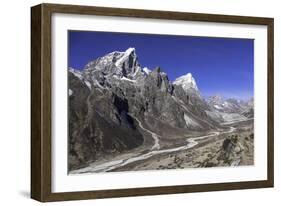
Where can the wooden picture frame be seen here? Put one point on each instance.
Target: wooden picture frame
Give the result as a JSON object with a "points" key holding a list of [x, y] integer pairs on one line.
{"points": [[41, 95]]}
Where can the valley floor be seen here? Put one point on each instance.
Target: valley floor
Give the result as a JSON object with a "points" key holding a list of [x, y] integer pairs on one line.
{"points": [[214, 149]]}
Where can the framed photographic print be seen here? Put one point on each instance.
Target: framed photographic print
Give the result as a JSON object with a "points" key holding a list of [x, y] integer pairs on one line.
{"points": [[130, 102]]}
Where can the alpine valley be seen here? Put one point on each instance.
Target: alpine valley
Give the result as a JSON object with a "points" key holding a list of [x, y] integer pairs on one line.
{"points": [[125, 117]]}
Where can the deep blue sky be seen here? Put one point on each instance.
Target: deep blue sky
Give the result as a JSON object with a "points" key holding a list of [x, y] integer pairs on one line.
{"points": [[222, 66]]}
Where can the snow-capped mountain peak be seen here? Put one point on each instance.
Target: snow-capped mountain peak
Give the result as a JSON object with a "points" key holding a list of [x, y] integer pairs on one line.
{"points": [[118, 63], [229, 105], [216, 99], [126, 55], [146, 70], [187, 82]]}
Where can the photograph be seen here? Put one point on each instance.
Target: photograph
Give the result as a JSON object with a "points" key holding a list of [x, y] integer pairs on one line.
{"points": [[156, 102]]}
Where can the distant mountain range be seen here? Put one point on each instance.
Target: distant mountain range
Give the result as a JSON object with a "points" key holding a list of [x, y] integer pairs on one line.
{"points": [[114, 103]]}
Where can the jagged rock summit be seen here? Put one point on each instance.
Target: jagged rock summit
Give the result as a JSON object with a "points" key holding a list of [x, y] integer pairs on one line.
{"points": [[120, 64], [187, 82]]}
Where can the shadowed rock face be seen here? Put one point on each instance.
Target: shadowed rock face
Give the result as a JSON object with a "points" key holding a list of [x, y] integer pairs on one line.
{"points": [[99, 124], [111, 92]]}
